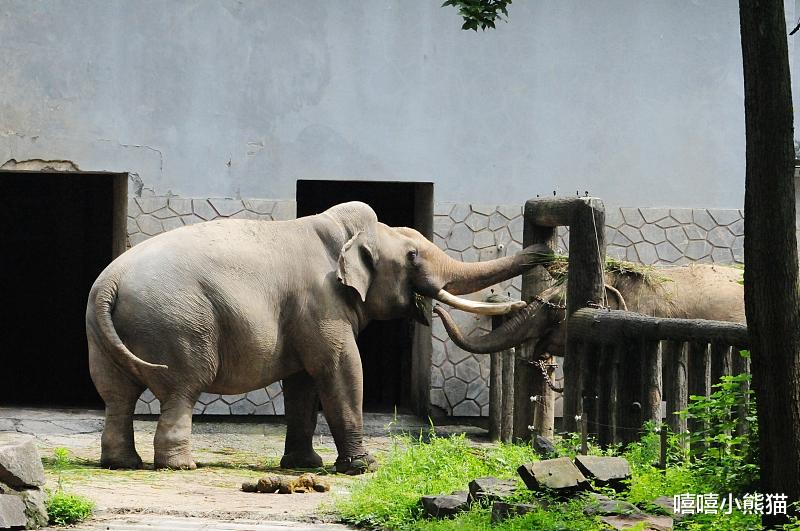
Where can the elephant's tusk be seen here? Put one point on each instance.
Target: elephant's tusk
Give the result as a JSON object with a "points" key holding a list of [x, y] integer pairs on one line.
{"points": [[483, 308]]}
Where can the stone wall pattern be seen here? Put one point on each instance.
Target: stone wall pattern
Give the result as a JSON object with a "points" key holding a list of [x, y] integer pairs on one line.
{"points": [[469, 232]]}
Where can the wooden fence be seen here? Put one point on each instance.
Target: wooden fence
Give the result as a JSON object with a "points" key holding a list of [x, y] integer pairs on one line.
{"points": [[618, 365]]}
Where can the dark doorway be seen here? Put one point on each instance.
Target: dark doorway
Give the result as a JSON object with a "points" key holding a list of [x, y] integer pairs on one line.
{"points": [[393, 371], [57, 232]]}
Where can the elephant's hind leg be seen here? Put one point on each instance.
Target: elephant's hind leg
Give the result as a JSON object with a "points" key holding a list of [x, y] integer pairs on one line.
{"points": [[300, 400], [119, 392], [172, 444]]}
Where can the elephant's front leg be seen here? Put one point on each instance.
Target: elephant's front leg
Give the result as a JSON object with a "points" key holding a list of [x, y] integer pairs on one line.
{"points": [[340, 386], [300, 400]]}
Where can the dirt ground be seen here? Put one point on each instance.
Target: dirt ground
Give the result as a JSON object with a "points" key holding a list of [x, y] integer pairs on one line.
{"points": [[227, 453]]}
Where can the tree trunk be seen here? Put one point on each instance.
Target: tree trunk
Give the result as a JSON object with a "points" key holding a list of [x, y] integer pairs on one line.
{"points": [[772, 304]]}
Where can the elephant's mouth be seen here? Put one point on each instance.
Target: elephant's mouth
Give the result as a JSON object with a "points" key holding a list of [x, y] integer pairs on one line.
{"points": [[422, 309]]}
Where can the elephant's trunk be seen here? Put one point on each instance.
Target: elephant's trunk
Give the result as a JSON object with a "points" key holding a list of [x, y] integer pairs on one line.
{"points": [[469, 277], [517, 329]]}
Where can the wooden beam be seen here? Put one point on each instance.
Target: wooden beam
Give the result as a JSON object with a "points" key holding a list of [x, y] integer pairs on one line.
{"points": [[610, 326]]}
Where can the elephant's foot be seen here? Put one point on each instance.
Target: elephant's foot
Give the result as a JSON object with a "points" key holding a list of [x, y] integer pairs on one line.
{"points": [[120, 461], [301, 460], [182, 461], [117, 449], [359, 464]]}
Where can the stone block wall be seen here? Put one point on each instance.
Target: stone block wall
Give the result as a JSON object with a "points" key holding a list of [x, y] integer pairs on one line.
{"points": [[469, 232]]}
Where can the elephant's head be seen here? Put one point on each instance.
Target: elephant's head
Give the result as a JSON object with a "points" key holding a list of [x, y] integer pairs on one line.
{"points": [[393, 268], [541, 321]]}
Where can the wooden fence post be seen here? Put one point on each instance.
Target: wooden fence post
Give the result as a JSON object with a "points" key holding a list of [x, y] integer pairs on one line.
{"points": [[675, 360], [585, 286], [720, 361], [699, 383], [741, 365], [528, 380], [496, 390], [651, 378], [507, 404]]}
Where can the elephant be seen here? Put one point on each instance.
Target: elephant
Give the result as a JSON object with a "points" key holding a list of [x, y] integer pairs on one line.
{"points": [[695, 291], [229, 306]]}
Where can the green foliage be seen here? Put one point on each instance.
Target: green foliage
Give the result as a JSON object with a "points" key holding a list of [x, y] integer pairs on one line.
{"points": [[414, 468], [481, 13], [729, 461], [64, 508], [67, 509], [61, 459]]}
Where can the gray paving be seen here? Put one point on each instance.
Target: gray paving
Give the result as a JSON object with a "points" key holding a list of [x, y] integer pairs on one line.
{"points": [[160, 523]]}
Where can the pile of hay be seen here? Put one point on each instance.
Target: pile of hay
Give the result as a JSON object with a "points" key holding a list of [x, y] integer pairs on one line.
{"points": [[560, 265]]}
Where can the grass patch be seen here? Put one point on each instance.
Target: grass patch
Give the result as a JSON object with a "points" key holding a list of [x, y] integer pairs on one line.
{"points": [[415, 467], [66, 509]]}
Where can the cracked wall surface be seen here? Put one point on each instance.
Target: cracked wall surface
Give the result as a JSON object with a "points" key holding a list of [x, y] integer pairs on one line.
{"points": [[469, 232]]}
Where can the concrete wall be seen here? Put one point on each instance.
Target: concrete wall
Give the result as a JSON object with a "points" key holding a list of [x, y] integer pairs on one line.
{"points": [[636, 102]]}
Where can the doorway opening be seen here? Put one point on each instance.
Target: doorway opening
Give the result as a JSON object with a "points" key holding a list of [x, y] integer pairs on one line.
{"points": [[58, 231], [395, 355]]}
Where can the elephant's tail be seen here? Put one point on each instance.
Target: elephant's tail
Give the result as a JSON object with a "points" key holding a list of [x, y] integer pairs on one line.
{"points": [[98, 321]]}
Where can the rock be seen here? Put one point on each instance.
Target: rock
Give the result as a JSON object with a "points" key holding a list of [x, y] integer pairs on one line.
{"points": [[12, 511], [667, 503], [607, 471], [603, 505], [20, 464], [502, 510], [445, 504], [626, 521], [35, 508], [491, 489], [556, 474], [544, 447]]}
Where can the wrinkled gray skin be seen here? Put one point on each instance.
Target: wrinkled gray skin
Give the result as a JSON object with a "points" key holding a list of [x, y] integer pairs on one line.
{"points": [[230, 306], [688, 292]]}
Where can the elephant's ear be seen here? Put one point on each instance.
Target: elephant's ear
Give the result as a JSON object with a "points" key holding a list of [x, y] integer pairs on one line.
{"points": [[357, 261]]}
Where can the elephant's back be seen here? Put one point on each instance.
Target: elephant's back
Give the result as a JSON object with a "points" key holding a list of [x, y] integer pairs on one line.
{"points": [[706, 291]]}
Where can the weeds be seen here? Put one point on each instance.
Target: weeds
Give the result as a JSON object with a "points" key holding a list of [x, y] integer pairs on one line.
{"points": [[64, 508]]}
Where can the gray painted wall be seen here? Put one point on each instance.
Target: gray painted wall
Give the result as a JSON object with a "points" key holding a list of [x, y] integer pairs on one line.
{"points": [[639, 103]]}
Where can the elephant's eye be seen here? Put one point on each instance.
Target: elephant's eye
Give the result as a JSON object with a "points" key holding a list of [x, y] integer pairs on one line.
{"points": [[412, 255]]}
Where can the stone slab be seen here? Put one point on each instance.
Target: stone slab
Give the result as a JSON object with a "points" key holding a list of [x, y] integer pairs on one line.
{"points": [[20, 464], [12, 511], [648, 522], [502, 510], [445, 504], [605, 470], [491, 489], [544, 447], [599, 504], [556, 474]]}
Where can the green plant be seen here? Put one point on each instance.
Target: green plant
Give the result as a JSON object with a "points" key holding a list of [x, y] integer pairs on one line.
{"points": [[729, 460], [418, 466], [65, 509]]}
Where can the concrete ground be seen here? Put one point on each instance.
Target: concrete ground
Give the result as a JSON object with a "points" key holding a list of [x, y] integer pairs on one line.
{"points": [[227, 451]]}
